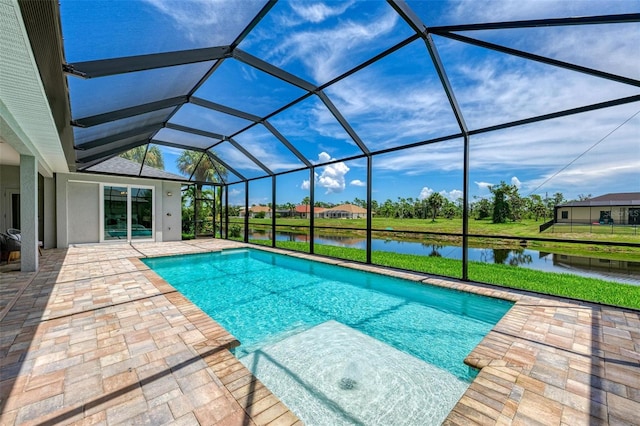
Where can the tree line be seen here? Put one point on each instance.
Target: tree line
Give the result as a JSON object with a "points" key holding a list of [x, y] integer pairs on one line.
{"points": [[505, 204]]}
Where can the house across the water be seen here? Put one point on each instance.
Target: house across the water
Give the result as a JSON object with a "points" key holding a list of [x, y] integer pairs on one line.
{"points": [[621, 208]]}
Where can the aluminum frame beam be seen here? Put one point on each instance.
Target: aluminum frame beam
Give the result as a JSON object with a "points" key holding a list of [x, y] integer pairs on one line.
{"points": [[254, 22], [107, 67], [272, 70], [112, 152], [176, 145], [286, 143], [249, 156], [532, 23], [407, 14], [227, 110], [414, 21], [119, 114], [149, 129], [563, 113], [541, 59], [214, 164], [215, 159], [194, 131], [217, 170], [196, 168], [343, 122]]}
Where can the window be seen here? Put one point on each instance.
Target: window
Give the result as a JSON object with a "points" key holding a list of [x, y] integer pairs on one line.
{"points": [[565, 214], [605, 217]]}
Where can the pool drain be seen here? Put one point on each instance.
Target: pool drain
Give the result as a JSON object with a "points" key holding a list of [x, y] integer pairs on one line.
{"points": [[347, 383], [350, 376]]}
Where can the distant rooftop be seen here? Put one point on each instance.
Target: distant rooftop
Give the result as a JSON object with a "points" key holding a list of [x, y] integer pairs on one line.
{"points": [[123, 166], [612, 199]]}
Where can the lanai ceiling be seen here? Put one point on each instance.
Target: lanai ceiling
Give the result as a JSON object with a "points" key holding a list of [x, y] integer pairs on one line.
{"points": [[248, 89]]}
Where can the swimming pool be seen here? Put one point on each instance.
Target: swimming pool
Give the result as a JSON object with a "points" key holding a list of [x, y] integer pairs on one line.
{"points": [[287, 312]]}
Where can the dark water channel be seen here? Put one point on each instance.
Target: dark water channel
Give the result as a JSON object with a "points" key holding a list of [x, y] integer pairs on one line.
{"points": [[623, 271]]}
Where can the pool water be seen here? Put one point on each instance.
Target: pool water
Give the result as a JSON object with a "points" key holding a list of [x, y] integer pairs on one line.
{"points": [[269, 302]]}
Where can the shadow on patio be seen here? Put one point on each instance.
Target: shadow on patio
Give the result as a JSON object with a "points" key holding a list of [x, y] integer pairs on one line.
{"points": [[96, 336]]}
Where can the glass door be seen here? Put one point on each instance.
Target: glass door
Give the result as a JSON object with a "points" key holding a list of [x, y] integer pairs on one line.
{"points": [[127, 213], [115, 212], [141, 213]]}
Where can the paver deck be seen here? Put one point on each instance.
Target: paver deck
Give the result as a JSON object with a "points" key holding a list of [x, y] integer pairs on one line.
{"points": [[95, 337]]}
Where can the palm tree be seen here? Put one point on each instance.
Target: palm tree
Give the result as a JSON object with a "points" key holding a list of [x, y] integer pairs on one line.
{"points": [[202, 168], [153, 156], [307, 211], [291, 207], [435, 202]]}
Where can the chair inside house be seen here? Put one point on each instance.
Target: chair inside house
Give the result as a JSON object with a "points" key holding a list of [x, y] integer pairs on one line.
{"points": [[12, 244]]}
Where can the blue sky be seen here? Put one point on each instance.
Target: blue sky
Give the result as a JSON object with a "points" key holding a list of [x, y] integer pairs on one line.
{"points": [[396, 101]]}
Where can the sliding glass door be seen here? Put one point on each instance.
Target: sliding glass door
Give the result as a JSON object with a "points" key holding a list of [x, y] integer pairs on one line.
{"points": [[141, 213], [127, 213]]}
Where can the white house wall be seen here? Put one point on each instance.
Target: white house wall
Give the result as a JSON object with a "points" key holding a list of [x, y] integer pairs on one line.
{"points": [[83, 212], [586, 215], [78, 205]]}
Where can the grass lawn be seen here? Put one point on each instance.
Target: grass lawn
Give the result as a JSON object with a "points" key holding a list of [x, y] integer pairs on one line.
{"points": [[566, 285], [519, 230], [525, 228]]}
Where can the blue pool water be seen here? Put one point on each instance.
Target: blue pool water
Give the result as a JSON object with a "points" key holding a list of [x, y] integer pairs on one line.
{"points": [[336, 345], [262, 298]]}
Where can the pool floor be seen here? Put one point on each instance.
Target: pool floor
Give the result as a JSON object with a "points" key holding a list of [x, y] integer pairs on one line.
{"points": [[332, 374]]}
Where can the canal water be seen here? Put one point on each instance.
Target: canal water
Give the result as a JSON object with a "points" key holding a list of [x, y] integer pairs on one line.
{"points": [[623, 271]]}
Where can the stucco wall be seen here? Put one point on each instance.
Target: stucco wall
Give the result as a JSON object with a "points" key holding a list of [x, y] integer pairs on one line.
{"points": [[78, 217], [83, 210], [620, 215]]}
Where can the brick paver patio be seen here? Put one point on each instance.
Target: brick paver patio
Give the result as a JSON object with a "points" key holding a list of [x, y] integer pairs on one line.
{"points": [[95, 337]]}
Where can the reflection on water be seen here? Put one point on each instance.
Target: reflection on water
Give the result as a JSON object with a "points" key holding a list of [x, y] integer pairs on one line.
{"points": [[627, 272]]}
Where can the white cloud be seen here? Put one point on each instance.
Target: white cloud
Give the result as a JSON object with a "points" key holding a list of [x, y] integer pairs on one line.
{"points": [[425, 193], [214, 22], [472, 11], [249, 73], [323, 51], [516, 182], [234, 192], [453, 195], [323, 157], [332, 177], [483, 185], [357, 182], [318, 12]]}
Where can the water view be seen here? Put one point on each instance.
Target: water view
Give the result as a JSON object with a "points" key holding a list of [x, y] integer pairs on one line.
{"points": [[623, 271]]}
